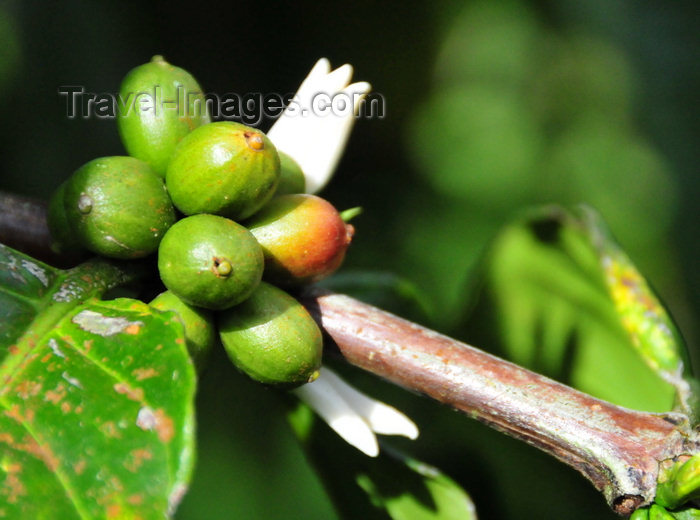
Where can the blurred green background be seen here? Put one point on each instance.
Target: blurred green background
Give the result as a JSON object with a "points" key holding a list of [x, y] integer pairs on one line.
{"points": [[491, 107]]}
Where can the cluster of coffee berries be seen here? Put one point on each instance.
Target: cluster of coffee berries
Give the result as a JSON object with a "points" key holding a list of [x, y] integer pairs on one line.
{"points": [[245, 219]]}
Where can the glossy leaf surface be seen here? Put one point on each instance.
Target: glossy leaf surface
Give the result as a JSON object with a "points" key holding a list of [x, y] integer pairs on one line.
{"points": [[96, 397]]}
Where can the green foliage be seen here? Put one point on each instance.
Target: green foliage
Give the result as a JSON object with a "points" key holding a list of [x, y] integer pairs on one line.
{"points": [[390, 486], [249, 463], [384, 290], [559, 71], [97, 396], [597, 161], [426, 495], [523, 113], [688, 513], [458, 143], [492, 41], [570, 304], [649, 327]]}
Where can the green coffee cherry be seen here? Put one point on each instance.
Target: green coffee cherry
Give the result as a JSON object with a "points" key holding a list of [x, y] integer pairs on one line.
{"points": [[200, 333], [210, 261], [681, 483], [656, 512], [118, 207], [272, 338], [223, 168], [640, 514], [292, 179], [63, 238], [303, 238], [162, 104]]}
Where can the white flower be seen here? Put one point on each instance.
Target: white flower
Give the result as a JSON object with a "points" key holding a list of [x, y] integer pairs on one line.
{"points": [[353, 415], [314, 135], [311, 132]]}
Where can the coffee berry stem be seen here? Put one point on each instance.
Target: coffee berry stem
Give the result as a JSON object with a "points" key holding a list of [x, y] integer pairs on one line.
{"points": [[617, 449]]}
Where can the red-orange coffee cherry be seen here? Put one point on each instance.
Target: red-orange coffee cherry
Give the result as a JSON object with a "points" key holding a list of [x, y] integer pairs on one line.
{"points": [[303, 238]]}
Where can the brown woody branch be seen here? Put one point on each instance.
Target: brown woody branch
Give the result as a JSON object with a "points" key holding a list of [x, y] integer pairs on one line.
{"points": [[618, 450], [23, 226]]}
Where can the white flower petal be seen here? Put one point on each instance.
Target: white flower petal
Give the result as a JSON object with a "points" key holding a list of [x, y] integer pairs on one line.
{"points": [[340, 77], [322, 397], [356, 433], [382, 418], [317, 74], [313, 139]]}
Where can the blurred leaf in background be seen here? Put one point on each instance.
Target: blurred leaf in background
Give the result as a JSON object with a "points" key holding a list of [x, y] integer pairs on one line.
{"points": [[249, 465], [526, 111], [520, 114], [568, 303], [384, 290]]}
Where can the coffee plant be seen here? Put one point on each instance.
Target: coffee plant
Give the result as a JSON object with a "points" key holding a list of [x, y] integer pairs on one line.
{"points": [[209, 235]]}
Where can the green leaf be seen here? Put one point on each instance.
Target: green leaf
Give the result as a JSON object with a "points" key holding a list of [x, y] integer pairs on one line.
{"points": [[689, 513], [96, 397], [428, 494], [386, 290], [390, 486], [652, 332], [564, 307]]}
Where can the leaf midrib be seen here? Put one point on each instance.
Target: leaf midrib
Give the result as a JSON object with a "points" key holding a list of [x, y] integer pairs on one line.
{"points": [[49, 313], [44, 323]]}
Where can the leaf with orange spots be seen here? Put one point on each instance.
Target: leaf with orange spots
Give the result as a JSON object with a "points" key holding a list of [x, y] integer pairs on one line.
{"points": [[96, 397], [648, 325]]}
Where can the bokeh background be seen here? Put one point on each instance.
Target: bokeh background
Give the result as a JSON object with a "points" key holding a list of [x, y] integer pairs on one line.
{"points": [[491, 107]]}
